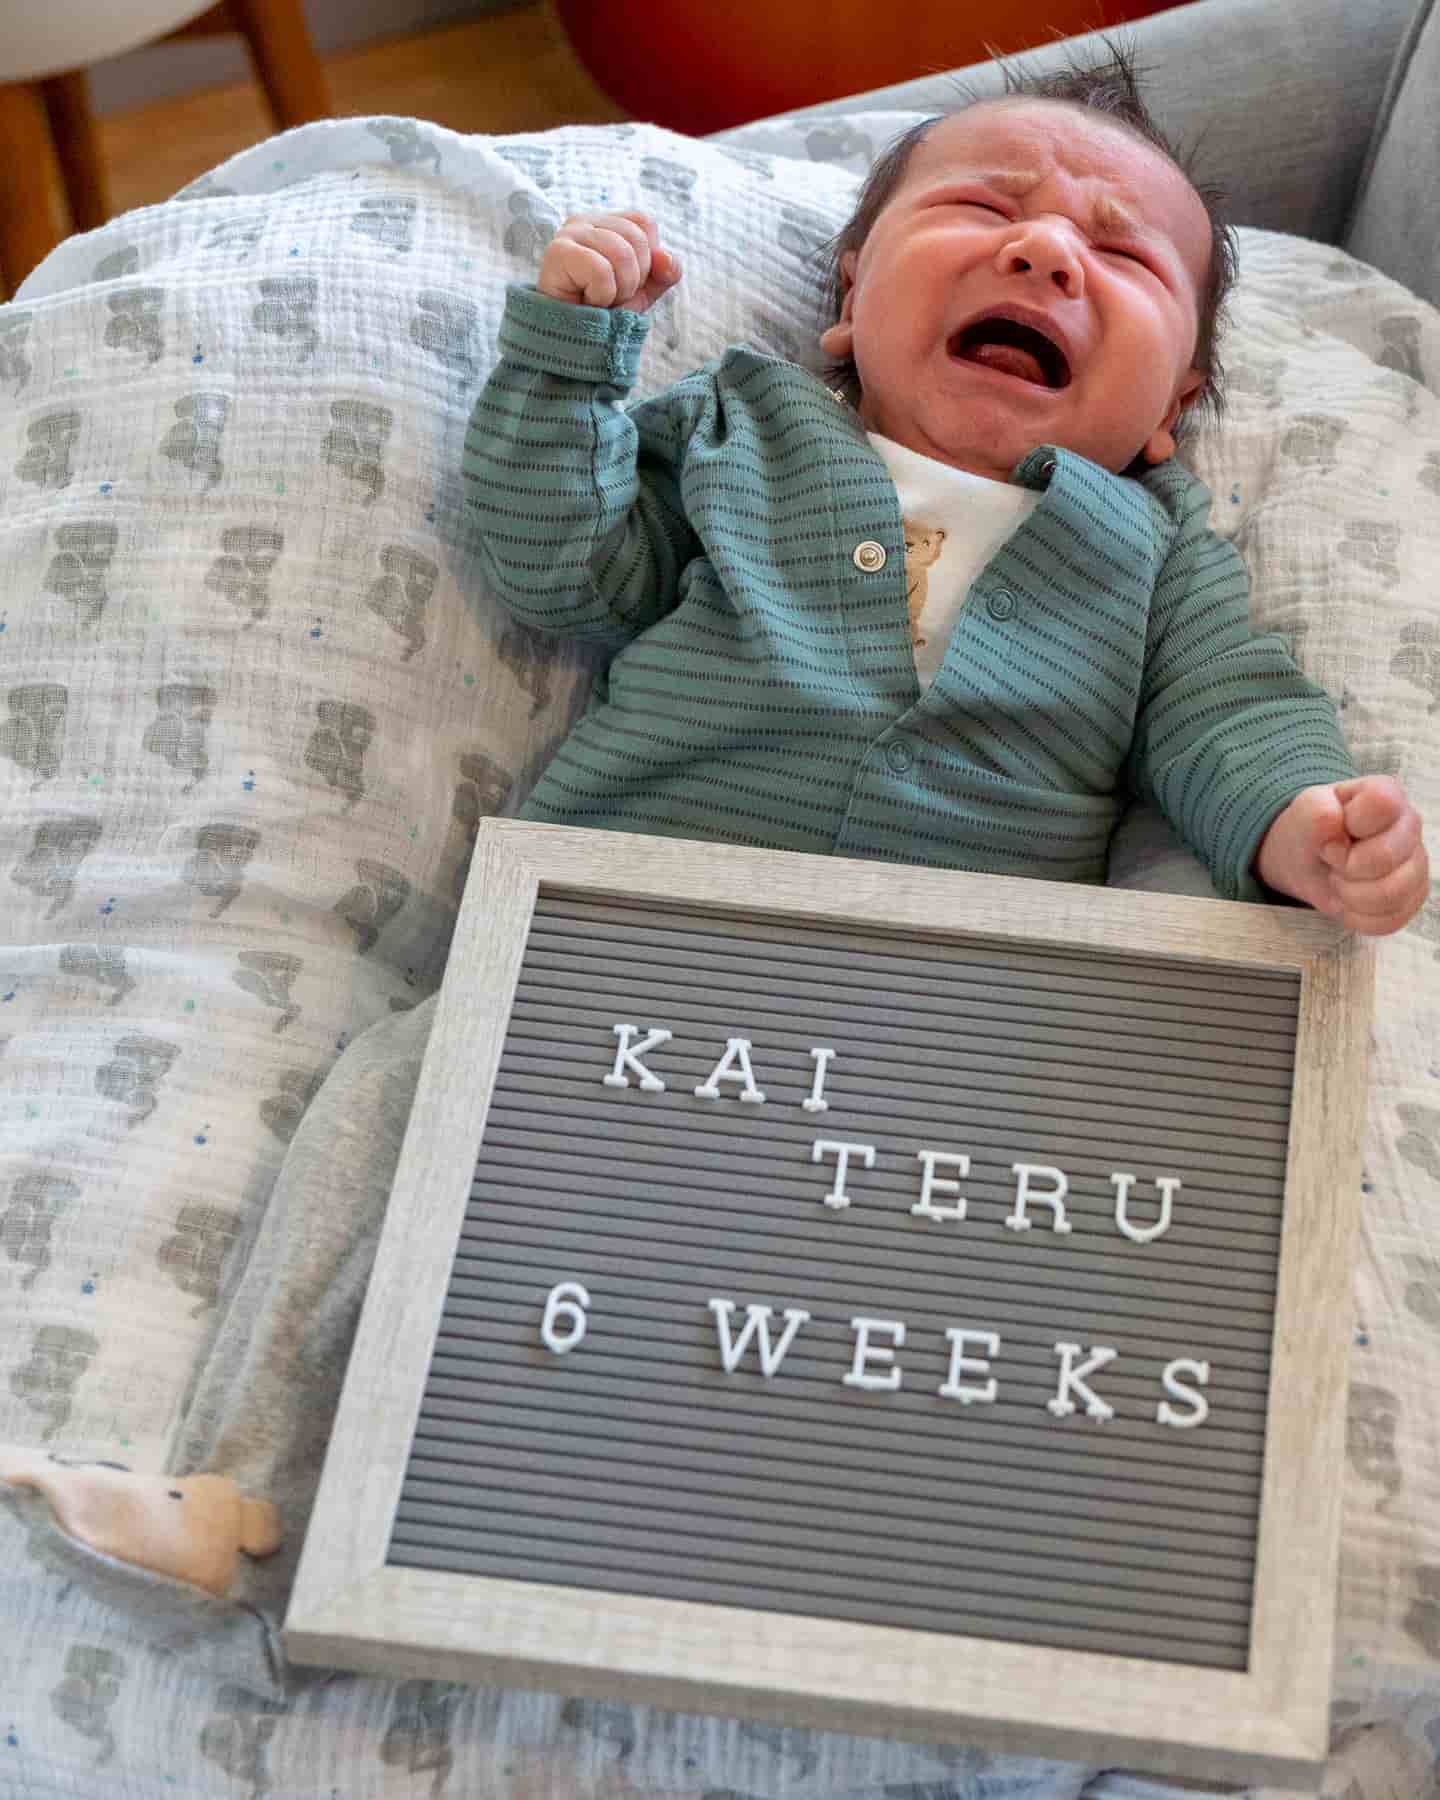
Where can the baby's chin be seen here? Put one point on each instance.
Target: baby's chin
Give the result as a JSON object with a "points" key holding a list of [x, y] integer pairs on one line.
{"points": [[976, 453]]}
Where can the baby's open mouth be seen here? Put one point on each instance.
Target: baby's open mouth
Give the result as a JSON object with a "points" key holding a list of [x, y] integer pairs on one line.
{"points": [[1010, 348]]}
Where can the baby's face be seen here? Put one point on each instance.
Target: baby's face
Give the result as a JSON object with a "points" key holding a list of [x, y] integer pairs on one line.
{"points": [[1035, 278]]}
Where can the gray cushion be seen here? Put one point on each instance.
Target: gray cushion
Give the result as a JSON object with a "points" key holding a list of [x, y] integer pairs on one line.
{"points": [[1396, 223], [1280, 95]]}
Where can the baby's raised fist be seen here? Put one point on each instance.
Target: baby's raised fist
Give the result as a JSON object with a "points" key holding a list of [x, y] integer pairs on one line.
{"points": [[608, 259]]}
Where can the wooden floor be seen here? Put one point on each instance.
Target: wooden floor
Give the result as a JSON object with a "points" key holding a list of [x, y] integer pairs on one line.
{"points": [[507, 71]]}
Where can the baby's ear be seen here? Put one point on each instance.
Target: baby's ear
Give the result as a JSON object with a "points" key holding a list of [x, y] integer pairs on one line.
{"points": [[1159, 447], [838, 339]]}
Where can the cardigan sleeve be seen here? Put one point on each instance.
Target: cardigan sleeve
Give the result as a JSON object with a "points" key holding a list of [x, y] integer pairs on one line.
{"points": [[1229, 730], [581, 527]]}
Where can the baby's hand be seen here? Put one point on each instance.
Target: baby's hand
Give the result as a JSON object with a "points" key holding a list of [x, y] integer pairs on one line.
{"points": [[1352, 850], [608, 259]]}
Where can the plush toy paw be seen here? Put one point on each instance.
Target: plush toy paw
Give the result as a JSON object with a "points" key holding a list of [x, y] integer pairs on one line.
{"points": [[189, 1527]]}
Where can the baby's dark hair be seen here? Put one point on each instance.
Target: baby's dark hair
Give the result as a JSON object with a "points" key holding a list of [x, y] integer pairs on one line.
{"points": [[1110, 87]]}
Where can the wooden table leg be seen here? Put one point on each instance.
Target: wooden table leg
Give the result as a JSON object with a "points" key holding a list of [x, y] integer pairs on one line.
{"points": [[77, 147], [284, 59], [29, 228]]}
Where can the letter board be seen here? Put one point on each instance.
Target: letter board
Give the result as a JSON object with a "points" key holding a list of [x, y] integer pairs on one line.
{"points": [[818, 1263]]}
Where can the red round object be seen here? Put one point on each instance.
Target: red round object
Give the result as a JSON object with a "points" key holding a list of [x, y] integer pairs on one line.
{"points": [[702, 65]]}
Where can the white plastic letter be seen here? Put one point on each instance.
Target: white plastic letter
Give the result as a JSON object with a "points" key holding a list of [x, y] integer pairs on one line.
{"points": [[925, 1207], [735, 1048], [961, 1364], [837, 1197], [1165, 1414], [865, 1352], [757, 1319], [569, 1299], [1017, 1220], [627, 1059], [1071, 1377], [1169, 1186], [814, 1103]]}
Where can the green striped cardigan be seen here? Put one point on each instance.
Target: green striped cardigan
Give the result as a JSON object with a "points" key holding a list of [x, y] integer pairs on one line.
{"points": [[721, 540]]}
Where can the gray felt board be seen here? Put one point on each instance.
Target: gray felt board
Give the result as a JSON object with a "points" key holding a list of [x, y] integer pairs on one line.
{"points": [[635, 1462]]}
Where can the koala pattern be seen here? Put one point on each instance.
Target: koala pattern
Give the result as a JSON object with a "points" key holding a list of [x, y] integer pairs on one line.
{"points": [[389, 219], [269, 975], [1418, 659], [217, 869], [237, 1737], [105, 966], [117, 265], [407, 148], [337, 746], [282, 1112], [78, 570], [481, 792], [135, 322], [922, 546], [1419, 1145], [177, 733], [356, 445], [1261, 376], [803, 234], [1370, 1439], [15, 366], [52, 438], [56, 852], [1422, 1621], [1374, 545], [604, 1722], [133, 1078], [287, 309], [534, 160], [400, 596], [672, 183], [444, 327], [791, 1744], [60, 1358], [417, 1739], [242, 570], [196, 439], [194, 1258], [1422, 1293], [837, 143], [1400, 335], [235, 234], [529, 656], [37, 1200], [369, 907], [753, 160], [90, 1689], [531, 227], [1312, 439], [34, 733]]}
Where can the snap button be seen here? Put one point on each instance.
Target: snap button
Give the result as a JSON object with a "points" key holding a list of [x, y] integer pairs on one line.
{"points": [[1001, 605], [869, 556], [898, 755]]}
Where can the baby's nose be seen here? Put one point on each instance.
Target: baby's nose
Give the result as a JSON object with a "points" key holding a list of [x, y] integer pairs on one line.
{"points": [[1048, 252]]}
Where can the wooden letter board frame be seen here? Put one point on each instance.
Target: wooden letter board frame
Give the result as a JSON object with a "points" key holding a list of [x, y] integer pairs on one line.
{"points": [[1265, 1723]]}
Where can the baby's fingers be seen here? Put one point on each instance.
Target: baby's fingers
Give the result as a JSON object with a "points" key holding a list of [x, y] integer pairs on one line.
{"points": [[1373, 858], [614, 262], [1388, 903], [1372, 803]]}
